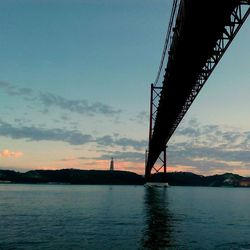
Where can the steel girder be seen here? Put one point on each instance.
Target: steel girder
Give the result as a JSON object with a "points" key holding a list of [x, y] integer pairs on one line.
{"points": [[237, 18], [239, 11]]}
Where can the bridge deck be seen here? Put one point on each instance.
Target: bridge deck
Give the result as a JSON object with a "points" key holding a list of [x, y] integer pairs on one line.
{"points": [[199, 25]]}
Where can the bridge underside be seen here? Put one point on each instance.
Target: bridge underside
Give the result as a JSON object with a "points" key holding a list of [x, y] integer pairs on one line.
{"points": [[203, 31]]}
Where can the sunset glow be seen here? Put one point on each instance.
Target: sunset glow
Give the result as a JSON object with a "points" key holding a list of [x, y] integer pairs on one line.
{"points": [[75, 84], [6, 153]]}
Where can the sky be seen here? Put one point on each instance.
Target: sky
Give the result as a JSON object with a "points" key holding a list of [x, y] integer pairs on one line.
{"points": [[74, 90]]}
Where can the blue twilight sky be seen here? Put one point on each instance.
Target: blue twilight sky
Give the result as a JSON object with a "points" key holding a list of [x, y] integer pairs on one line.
{"points": [[74, 89]]}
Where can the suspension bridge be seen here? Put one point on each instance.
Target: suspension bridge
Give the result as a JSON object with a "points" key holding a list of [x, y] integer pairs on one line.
{"points": [[199, 33]]}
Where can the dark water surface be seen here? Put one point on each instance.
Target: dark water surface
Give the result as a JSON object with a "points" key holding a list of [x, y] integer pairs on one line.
{"points": [[123, 217]]}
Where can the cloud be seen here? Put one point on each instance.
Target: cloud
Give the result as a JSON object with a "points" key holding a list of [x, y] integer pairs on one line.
{"points": [[206, 154], [190, 132], [39, 134], [141, 117], [13, 90], [211, 135], [106, 140], [136, 144], [49, 100], [4, 84], [123, 142], [9, 154], [73, 137], [210, 147], [77, 106]]}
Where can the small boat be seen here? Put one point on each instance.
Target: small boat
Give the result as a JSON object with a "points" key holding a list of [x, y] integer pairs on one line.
{"points": [[157, 184]]}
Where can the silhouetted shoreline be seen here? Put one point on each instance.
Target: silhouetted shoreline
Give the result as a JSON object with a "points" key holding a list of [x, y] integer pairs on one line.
{"points": [[72, 176], [191, 179], [105, 177]]}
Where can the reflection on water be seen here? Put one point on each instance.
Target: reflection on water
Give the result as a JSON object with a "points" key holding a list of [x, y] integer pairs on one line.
{"points": [[159, 220], [73, 217]]}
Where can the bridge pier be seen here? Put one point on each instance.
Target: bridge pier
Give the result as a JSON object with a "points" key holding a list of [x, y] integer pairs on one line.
{"points": [[155, 94], [162, 165]]}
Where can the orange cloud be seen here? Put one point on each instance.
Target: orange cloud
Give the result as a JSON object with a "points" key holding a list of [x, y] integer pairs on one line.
{"points": [[6, 153]]}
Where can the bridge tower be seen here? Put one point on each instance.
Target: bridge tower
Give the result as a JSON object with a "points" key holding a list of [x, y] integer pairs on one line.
{"points": [[155, 94]]}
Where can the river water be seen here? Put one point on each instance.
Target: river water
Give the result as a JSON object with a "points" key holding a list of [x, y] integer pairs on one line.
{"points": [[123, 217]]}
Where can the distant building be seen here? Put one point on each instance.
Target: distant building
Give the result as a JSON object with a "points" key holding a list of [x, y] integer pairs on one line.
{"points": [[112, 164], [245, 182]]}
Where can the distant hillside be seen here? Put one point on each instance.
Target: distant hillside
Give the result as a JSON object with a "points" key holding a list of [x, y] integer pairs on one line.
{"points": [[72, 176], [75, 176], [190, 179]]}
